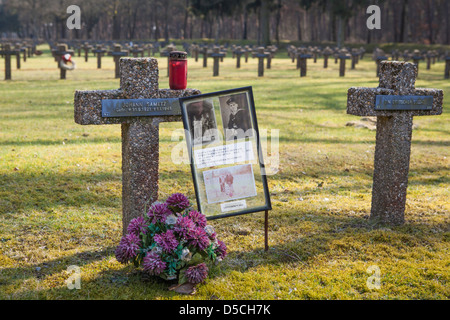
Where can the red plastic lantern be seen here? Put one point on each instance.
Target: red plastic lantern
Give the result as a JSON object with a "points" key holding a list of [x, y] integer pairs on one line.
{"points": [[177, 70]]}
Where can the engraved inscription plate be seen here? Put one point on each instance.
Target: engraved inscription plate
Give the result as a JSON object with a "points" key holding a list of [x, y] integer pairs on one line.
{"points": [[389, 102], [140, 107]]}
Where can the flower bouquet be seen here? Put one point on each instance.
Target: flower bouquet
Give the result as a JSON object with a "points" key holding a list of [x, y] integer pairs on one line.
{"points": [[172, 241]]}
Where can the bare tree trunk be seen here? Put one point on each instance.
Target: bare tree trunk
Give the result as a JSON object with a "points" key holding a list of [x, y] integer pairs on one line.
{"points": [[265, 22], [299, 26], [402, 37], [244, 27], [277, 22]]}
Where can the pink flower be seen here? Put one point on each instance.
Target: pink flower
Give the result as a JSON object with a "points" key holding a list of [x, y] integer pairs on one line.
{"points": [[128, 248], [196, 274], [183, 226], [136, 226], [221, 250], [198, 238], [178, 202], [158, 212], [166, 241], [198, 218], [153, 264]]}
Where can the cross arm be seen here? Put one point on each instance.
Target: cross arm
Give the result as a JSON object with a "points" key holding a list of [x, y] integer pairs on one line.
{"points": [[361, 101], [88, 106]]}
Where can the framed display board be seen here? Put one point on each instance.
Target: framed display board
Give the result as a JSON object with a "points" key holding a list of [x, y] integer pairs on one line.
{"points": [[225, 153]]}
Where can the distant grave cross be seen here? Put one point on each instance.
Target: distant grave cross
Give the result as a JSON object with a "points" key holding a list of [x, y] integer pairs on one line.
{"points": [[447, 67], [238, 52], [140, 134], [7, 52], [394, 103], [117, 53], [58, 54], [99, 51], [216, 55], [261, 54], [303, 55], [86, 47]]}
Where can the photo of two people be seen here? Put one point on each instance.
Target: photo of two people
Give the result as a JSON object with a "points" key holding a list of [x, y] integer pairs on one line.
{"points": [[235, 116]]}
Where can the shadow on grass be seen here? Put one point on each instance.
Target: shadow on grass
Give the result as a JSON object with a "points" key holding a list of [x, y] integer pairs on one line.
{"points": [[43, 191], [130, 283]]}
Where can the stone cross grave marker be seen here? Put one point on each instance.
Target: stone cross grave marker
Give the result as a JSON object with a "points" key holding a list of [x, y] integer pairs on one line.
{"points": [[417, 56], [7, 53], [261, 54], [99, 51], [343, 56], [217, 56], [447, 67], [326, 53], [166, 53], [238, 52], [58, 54], [136, 51], [140, 119], [394, 103], [302, 56], [195, 49], [18, 48], [86, 47], [117, 53], [355, 57]]}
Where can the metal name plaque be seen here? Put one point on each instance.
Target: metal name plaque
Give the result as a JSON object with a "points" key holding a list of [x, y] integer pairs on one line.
{"points": [[140, 107], [403, 102]]}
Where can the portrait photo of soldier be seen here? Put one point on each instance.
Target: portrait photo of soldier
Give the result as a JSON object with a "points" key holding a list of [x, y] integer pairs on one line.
{"points": [[235, 117]]}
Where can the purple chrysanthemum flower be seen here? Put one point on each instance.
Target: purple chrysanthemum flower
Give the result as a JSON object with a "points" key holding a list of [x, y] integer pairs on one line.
{"points": [[198, 218], [136, 226], [167, 241], [153, 264], [158, 212], [183, 226], [221, 249], [197, 274], [128, 248], [178, 202], [198, 238]]}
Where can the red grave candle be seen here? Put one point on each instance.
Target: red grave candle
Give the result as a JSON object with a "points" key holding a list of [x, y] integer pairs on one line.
{"points": [[177, 70]]}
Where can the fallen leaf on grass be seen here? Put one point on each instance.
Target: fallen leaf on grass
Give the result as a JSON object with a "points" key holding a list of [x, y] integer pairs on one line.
{"points": [[185, 288]]}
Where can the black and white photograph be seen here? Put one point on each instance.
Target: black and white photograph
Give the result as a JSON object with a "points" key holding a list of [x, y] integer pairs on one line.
{"points": [[202, 121], [236, 118]]}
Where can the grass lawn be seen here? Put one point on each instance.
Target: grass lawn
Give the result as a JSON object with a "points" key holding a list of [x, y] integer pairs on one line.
{"points": [[60, 191]]}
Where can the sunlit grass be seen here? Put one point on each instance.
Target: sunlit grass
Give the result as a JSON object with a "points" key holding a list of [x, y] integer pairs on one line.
{"points": [[60, 191]]}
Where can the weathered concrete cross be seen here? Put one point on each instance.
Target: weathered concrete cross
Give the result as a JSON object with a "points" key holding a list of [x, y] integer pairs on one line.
{"points": [[140, 134], [58, 55], [7, 52], [217, 56], [394, 103], [261, 54], [99, 51], [117, 53], [447, 67]]}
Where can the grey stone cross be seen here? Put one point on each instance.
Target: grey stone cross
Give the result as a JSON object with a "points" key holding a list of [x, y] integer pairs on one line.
{"points": [[100, 51], [216, 55], [117, 53], [7, 52], [140, 134], [394, 132]]}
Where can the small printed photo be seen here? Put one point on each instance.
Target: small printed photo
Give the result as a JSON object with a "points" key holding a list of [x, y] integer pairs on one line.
{"points": [[229, 183], [235, 114], [202, 121]]}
